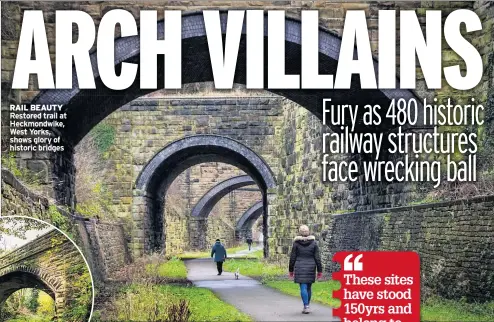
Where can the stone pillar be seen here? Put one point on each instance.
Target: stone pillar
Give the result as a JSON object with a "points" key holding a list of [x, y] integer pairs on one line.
{"points": [[269, 203], [244, 233], [198, 227], [141, 223], [59, 304]]}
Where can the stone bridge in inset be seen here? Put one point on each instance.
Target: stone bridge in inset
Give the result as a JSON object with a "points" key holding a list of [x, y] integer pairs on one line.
{"points": [[50, 263]]}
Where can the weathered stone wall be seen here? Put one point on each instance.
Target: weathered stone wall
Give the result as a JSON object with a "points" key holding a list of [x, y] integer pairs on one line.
{"points": [[183, 195], [108, 245], [331, 17], [18, 200], [485, 91], [147, 125], [455, 241], [225, 215], [103, 244], [57, 262]]}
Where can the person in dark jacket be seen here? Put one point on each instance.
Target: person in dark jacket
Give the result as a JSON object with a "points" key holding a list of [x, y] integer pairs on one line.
{"points": [[305, 259], [219, 253], [249, 242]]}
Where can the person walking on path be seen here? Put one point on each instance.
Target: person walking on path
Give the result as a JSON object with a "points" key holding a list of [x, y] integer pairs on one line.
{"points": [[305, 259], [219, 253], [249, 242]]}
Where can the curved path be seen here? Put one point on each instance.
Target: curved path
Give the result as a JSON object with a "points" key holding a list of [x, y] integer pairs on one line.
{"points": [[251, 297]]}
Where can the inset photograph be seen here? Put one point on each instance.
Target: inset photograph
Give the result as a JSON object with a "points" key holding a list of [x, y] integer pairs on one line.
{"points": [[43, 275]]}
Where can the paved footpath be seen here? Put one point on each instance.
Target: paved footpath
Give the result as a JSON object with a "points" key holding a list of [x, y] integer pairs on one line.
{"points": [[251, 297]]}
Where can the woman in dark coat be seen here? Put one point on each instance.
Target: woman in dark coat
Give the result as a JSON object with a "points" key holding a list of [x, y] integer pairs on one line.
{"points": [[304, 261]]}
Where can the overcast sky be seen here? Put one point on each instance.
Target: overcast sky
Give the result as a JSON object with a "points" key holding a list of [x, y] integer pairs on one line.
{"points": [[9, 242]]}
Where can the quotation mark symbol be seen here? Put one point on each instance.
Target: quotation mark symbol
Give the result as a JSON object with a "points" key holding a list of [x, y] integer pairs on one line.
{"points": [[354, 265]]}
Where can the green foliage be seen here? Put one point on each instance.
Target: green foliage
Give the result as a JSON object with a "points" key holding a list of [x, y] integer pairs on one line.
{"points": [[139, 302], [46, 305], [173, 268], [80, 289], [98, 205], [192, 255], [32, 301], [429, 198], [322, 292], [438, 309], [257, 254], [9, 162], [25, 305], [13, 305], [233, 250], [30, 318], [229, 251], [104, 136], [58, 219], [28, 177]]}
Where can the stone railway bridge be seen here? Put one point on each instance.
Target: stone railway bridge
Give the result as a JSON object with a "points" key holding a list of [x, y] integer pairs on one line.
{"points": [[85, 110], [47, 263]]}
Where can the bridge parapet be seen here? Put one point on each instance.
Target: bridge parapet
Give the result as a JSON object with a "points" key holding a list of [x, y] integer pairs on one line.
{"points": [[51, 263]]}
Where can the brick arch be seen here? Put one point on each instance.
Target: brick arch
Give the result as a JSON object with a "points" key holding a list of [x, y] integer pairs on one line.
{"points": [[19, 276], [87, 107], [243, 228], [157, 175], [211, 198]]}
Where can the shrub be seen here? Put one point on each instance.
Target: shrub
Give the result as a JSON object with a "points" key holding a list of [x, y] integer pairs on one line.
{"points": [[46, 305]]}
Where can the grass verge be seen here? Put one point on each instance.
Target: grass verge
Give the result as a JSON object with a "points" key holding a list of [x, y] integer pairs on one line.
{"points": [[192, 255], [322, 291], [255, 268], [437, 309], [157, 302], [172, 268], [257, 254]]}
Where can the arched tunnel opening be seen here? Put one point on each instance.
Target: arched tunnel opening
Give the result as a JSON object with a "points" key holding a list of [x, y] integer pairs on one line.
{"points": [[200, 207], [24, 295], [159, 173]]}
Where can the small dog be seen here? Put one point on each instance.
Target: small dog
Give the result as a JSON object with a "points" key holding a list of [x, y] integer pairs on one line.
{"points": [[237, 273]]}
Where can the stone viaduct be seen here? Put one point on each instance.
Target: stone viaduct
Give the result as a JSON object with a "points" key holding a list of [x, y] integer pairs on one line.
{"points": [[274, 138], [184, 194], [243, 228], [50, 263]]}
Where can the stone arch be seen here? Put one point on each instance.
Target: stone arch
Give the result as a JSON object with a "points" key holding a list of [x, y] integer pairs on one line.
{"points": [[155, 178], [85, 109], [211, 198], [16, 277], [243, 228]]}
